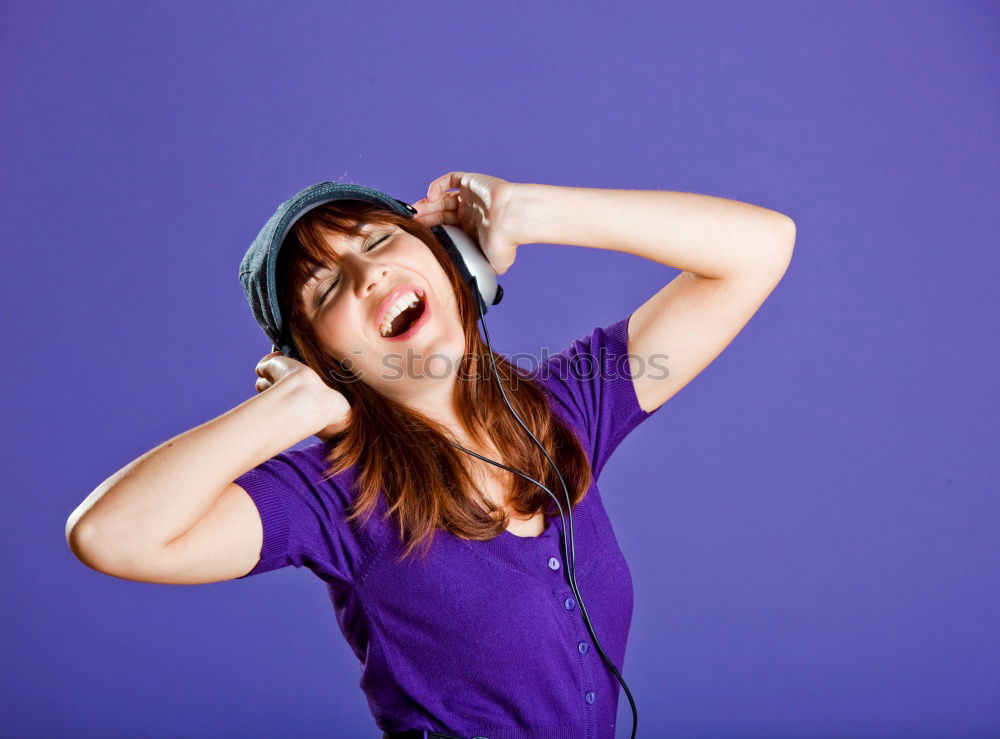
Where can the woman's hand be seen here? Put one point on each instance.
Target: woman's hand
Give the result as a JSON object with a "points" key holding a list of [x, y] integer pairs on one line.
{"points": [[481, 208], [333, 410]]}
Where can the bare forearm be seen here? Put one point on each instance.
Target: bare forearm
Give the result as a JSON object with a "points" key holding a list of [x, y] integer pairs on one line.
{"points": [[166, 491], [706, 235]]}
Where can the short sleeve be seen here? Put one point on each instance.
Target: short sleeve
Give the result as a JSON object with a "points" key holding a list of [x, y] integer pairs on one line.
{"points": [[591, 383], [303, 516]]}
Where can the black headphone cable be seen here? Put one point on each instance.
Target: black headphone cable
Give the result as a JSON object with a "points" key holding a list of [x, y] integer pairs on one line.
{"points": [[571, 559]]}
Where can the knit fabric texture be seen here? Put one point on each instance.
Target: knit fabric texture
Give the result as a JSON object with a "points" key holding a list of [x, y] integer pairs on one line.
{"points": [[483, 638]]}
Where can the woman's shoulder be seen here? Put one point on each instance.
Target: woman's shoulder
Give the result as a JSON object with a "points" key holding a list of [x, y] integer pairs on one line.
{"points": [[304, 471], [590, 384], [304, 510], [312, 457]]}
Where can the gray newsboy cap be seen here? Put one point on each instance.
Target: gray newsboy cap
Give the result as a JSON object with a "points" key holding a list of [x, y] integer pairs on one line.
{"points": [[258, 266]]}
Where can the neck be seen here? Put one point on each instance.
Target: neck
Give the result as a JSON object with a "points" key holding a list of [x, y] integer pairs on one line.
{"points": [[437, 401]]}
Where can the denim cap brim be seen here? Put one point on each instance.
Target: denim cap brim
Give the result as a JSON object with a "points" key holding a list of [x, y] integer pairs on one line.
{"points": [[258, 268]]}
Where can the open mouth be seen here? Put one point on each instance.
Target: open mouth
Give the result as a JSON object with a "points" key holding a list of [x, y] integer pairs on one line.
{"points": [[408, 315]]}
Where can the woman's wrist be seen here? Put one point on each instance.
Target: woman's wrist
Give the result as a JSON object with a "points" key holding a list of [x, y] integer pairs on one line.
{"points": [[305, 393], [521, 220]]}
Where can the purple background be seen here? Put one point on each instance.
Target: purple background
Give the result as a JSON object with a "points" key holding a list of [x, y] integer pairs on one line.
{"points": [[810, 524]]}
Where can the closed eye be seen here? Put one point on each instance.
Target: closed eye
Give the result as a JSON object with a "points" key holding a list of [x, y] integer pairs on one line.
{"points": [[367, 246]]}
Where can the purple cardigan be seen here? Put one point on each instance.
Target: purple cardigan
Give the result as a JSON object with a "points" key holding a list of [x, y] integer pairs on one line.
{"points": [[484, 638]]}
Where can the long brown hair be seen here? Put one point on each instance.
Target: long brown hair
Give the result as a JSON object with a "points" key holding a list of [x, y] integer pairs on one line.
{"points": [[404, 452]]}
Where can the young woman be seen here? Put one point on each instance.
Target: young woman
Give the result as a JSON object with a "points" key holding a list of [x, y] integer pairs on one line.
{"points": [[489, 629]]}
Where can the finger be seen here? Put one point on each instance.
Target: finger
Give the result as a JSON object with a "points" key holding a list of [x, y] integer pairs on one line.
{"points": [[261, 385], [447, 201], [449, 217], [262, 365], [444, 210], [442, 183]]}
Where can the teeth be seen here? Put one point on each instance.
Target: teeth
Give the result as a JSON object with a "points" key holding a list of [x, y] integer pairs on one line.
{"points": [[406, 300]]}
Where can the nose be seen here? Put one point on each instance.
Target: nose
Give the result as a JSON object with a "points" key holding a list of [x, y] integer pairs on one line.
{"points": [[368, 272]]}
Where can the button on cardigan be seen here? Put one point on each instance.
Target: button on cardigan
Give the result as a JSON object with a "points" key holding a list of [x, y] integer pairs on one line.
{"points": [[483, 638]]}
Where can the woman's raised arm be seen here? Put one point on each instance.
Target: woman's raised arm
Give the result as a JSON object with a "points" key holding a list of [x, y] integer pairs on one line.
{"points": [[125, 524], [731, 256]]}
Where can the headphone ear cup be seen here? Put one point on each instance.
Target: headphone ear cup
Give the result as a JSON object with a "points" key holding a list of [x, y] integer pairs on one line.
{"points": [[472, 264]]}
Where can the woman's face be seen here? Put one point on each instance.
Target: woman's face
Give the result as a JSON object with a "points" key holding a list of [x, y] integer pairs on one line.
{"points": [[348, 305]]}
